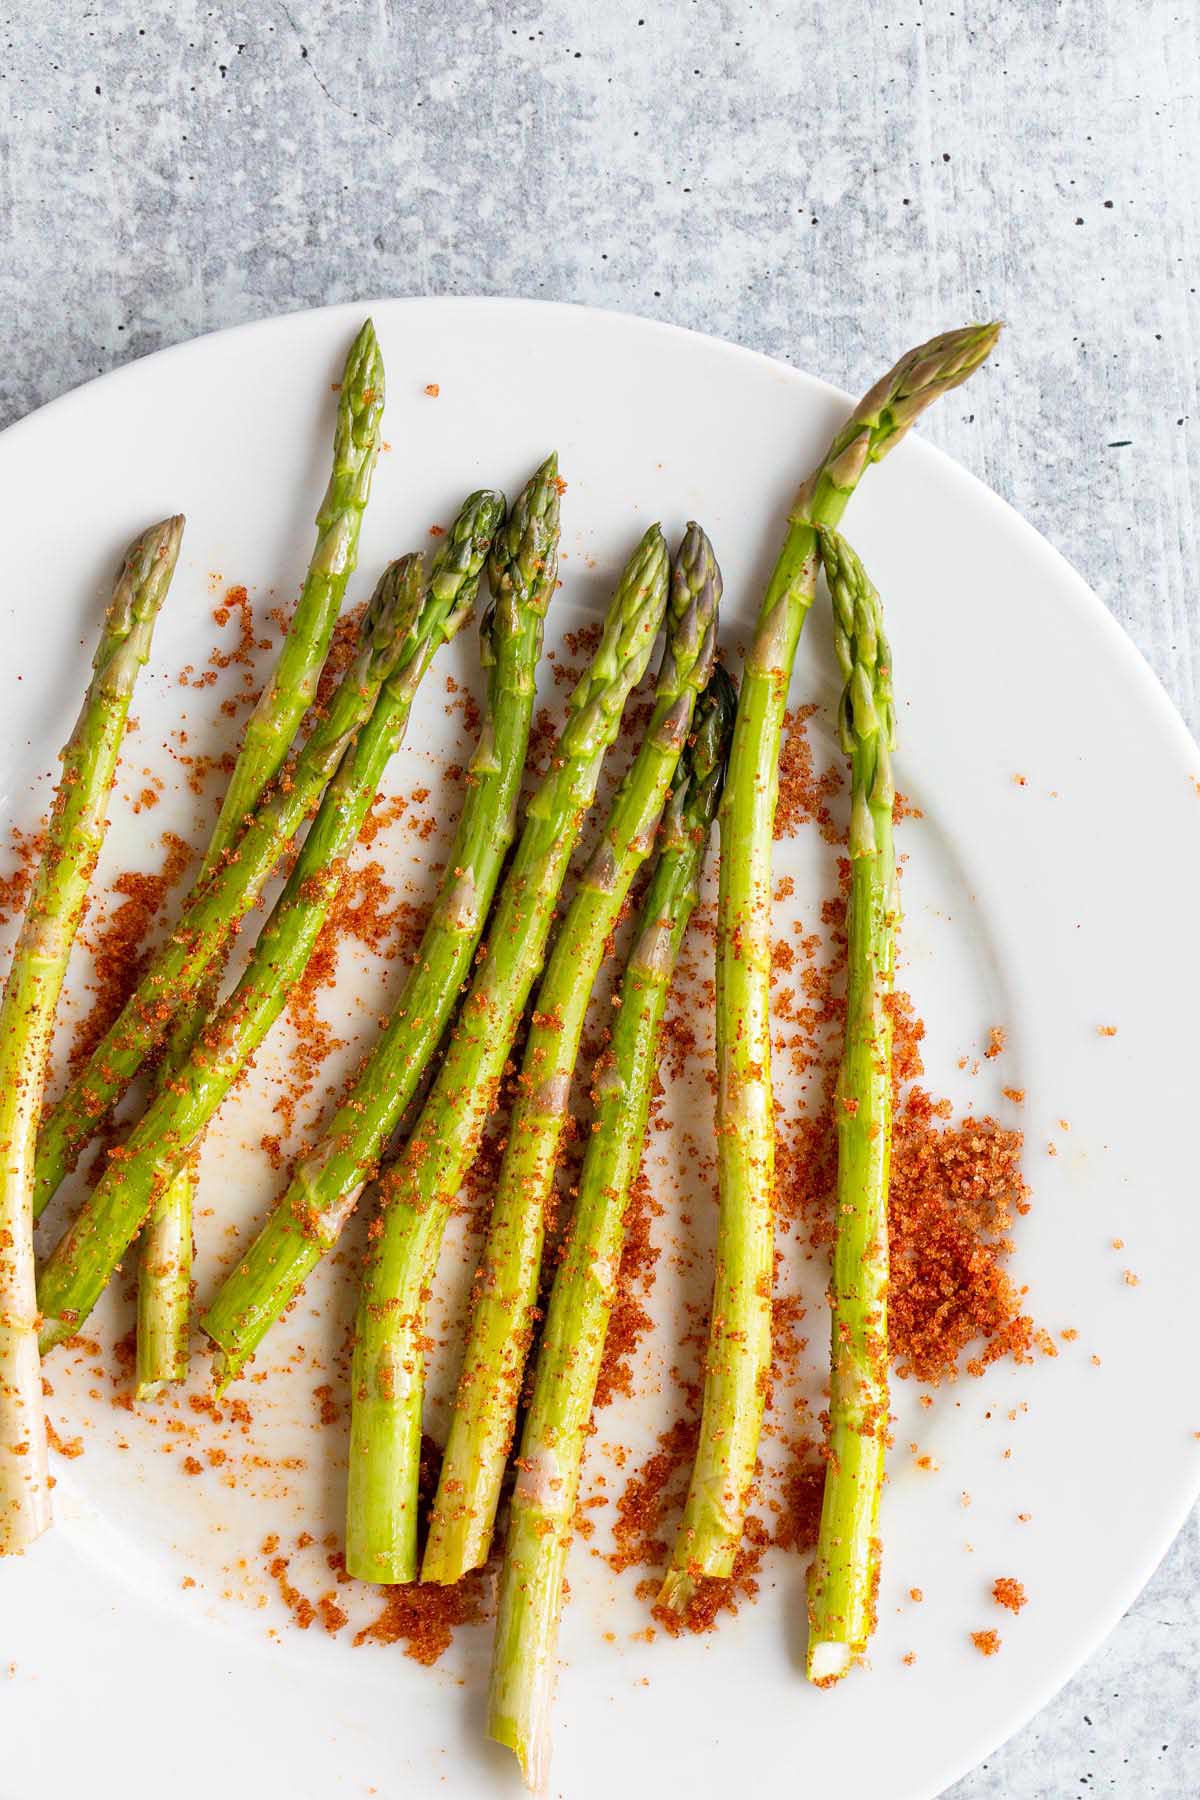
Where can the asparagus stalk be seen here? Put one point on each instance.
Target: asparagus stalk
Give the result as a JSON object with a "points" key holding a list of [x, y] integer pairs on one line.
{"points": [[739, 1344], [327, 1181], [39, 965], [398, 647], [417, 1192], [164, 1272], [844, 1577], [581, 1299], [485, 1410], [210, 918]]}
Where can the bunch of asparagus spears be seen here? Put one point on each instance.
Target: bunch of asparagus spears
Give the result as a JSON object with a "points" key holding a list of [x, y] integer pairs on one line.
{"points": [[707, 753]]}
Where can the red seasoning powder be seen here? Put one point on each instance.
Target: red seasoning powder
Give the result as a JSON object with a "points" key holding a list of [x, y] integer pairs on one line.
{"points": [[119, 942], [956, 1193]]}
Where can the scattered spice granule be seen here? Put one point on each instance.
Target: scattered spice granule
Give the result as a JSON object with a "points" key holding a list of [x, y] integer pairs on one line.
{"points": [[189, 1581], [629, 1321], [643, 1506], [1008, 1592], [301, 1608], [1021, 780], [1024, 1518], [583, 642], [437, 531], [950, 1214], [803, 794], [909, 1659], [237, 601], [1095, 1361], [363, 909], [14, 888], [192, 1465], [424, 1616], [331, 1615], [1131, 1280], [986, 1642], [1118, 1243], [930, 1464], [1015, 1094], [119, 943], [433, 389], [68, 1447], [1106, 1031], [916, 1594], [1068, 1334], [997, 1038], [342, 646]]}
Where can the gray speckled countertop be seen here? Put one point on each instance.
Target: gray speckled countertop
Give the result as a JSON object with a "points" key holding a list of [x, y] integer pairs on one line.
{"points": [[825, 184]]}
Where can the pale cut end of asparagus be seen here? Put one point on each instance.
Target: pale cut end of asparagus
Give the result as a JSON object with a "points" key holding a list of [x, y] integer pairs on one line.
{"points": [[532, 1753], [678, 1590], [828, 1661]]}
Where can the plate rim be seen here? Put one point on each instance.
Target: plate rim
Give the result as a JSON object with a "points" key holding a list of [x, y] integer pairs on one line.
{"points": [[1070, 584]]}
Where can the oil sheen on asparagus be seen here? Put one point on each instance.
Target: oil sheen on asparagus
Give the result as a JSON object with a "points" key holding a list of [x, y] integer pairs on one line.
{"points": [[739, 1344], [327, 1180], [165, 1267], [542, 1511], [403, 625], [844, 1576], [485, 1408], [73, 837], [416, 1193]]}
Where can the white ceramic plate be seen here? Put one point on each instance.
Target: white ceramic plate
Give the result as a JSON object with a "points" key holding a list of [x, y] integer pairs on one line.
{"points": [[1051, 908]]}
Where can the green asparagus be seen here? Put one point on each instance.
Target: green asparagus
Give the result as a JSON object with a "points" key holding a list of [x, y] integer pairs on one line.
{"points": [[164, 1272], [74, 835], [485, 1409], [844, 1576], [739, 1347], [585, 1285], [326, 1182], [210, 918], [417, 1192], [405, 625]]}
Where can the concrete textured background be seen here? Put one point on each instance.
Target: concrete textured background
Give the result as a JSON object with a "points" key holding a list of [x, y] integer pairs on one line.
{"points": [[827, 184]]}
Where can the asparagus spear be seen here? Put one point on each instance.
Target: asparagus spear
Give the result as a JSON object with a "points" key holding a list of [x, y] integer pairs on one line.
{"points": [[401, 636], [739, 1346], [485, 1409], [417, 1192], [325, 1184], [215, 902], [211, 915], [585, 1285], [39, 965], [844, 1576], [164, 1272]]}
